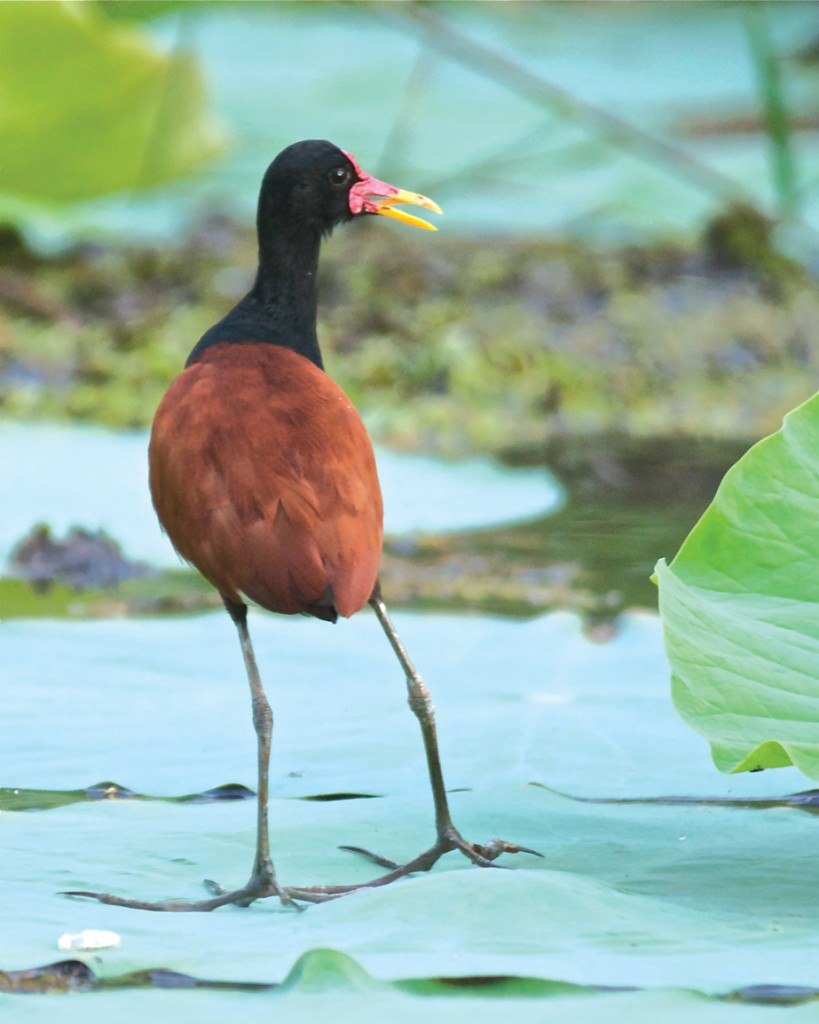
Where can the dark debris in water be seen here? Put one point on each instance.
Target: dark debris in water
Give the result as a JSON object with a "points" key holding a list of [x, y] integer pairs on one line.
{"points": [[20, 799], [75, 976], [773, 995], [14, 799], [108, 791], [85, 560], [497, 986], [66, 976], [157, 977], [229, 791], [63, 976], [806, 800], [17, 799], [326, 798]]}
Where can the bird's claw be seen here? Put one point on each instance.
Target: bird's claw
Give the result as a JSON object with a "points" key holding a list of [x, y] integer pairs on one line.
{"points": [[450, 839], [376, 858], [260, 886], [258, 891], [495, 847], [262, 883]]}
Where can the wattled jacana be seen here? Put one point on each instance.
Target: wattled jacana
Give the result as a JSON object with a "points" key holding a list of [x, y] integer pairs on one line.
{"points": [[263, 476]]}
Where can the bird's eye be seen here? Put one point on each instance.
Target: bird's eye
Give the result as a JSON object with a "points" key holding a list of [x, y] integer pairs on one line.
{"points": [[339, 175]]}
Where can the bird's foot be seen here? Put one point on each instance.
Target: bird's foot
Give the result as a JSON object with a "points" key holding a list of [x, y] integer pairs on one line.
{"points": [[262, 884], [495, 847], [448, 840], [451, 839]]}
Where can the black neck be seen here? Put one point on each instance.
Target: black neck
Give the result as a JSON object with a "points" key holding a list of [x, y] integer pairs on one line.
{"points": [[280, 309]]}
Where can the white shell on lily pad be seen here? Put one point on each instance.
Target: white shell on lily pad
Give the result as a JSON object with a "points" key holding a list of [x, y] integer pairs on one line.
{"points": [[89, 938]]}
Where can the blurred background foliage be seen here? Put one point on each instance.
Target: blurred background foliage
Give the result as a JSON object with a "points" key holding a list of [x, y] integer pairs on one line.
{"points": [[623, 286], [92, 108], [605, 121]]}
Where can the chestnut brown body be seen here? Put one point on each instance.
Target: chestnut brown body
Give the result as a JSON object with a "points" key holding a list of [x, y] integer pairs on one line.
{"points": [[263, 476]]}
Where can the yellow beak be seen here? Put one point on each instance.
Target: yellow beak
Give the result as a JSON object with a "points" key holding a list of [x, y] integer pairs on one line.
{"points": [[386, 207]]}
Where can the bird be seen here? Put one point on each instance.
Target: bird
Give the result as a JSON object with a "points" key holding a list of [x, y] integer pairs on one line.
{"points": [[263, 476]]}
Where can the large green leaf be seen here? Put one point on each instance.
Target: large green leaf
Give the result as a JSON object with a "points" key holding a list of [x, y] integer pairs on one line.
{"points": [[89, 108], [740, 606]]}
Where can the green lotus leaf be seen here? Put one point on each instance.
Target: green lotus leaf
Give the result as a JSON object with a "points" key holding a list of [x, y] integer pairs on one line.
{"points": [[740, 607], [89, 108]]}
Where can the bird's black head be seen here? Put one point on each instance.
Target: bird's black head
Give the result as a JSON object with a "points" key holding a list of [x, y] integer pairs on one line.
{"points": [[313, 186], [307, 187]]}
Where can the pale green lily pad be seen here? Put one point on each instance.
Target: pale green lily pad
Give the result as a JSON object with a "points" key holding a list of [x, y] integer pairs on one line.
{"points": [[740, 605], [638, 895], [92, 108]]}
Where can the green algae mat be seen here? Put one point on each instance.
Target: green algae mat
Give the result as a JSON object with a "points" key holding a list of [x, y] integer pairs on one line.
{"points": [[666, 890]]}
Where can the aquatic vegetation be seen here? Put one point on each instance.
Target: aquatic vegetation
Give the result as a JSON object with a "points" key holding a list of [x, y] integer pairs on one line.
{"points": [[455, 347]]}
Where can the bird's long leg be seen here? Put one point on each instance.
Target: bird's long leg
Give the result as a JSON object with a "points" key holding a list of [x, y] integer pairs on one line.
{"points": [[262, 881], [447, 835], [264, 876], [420, 702]]}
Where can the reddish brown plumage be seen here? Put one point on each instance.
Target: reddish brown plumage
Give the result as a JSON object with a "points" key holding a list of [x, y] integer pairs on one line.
{"points": [[264, 478]]}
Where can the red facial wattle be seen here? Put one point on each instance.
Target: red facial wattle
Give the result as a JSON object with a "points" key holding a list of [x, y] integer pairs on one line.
{"points": [[369, 195], [366, 189]]}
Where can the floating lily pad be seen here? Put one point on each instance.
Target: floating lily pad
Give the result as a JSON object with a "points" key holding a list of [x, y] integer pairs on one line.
{"points": [[639, 895]]}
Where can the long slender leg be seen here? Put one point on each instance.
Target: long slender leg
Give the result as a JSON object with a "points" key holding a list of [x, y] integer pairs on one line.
{"points": [[447, 836], [262, 881], [420, 702], [263, 872]]}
